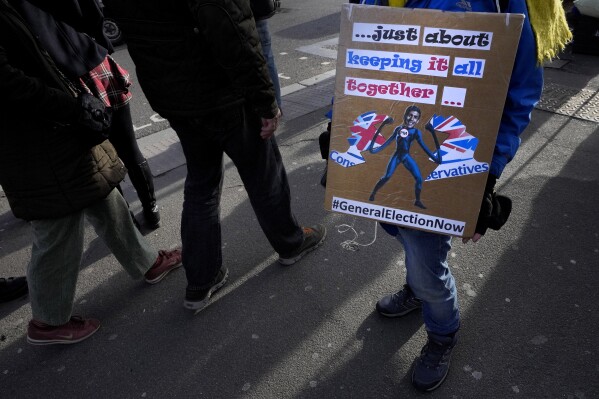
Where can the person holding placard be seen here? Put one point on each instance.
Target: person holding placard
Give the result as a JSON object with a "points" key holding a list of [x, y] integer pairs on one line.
{"points": [[430, 286]]}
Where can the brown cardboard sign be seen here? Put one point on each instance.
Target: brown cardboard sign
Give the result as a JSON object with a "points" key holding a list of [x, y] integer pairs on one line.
{"points": [[419, 96]]}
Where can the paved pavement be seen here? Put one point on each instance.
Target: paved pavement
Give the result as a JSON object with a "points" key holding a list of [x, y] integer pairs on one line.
{"points": [[528, 293]]}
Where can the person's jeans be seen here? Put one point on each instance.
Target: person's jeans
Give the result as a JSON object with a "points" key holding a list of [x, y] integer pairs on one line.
{"points": [[58, 246], [265, 41], [430, 279], [236, 133]]}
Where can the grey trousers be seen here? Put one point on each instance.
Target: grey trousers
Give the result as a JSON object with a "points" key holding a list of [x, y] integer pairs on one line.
{"points": [[58, 247]]}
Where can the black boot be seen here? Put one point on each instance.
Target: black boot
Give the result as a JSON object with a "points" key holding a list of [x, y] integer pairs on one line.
{"points": [[141, 178], [323, 178], [135, 222], [324, 143]]}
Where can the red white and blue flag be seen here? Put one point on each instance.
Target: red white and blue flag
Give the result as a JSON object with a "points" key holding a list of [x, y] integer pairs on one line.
{"points": [[362, 132]]}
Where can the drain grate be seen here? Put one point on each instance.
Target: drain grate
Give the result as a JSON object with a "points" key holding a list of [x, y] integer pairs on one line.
{"points": [[583, 104]]}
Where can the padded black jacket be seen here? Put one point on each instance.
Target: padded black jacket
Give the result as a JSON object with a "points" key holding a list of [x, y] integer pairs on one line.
{"points": [[46, 169], [197, 56]]}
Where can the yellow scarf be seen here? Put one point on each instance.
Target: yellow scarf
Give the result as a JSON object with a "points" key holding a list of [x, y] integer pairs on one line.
{"points": [[549, 25]]}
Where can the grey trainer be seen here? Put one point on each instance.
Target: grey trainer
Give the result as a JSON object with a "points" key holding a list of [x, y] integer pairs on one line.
{"points": [[199, 299]]}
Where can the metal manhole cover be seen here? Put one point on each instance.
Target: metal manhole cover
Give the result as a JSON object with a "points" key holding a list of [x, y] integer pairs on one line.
{"points": [[583, 104]]}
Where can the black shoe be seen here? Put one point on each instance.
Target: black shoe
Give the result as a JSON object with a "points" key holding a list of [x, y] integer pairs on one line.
{"points": [[12, 288], [313, 238], [323, 179], [199, 299], [431, 368], [398, 304], [152, 216]]}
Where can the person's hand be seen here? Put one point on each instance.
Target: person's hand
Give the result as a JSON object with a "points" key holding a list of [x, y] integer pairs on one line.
{"points": [[494, 211], [270, 125]]}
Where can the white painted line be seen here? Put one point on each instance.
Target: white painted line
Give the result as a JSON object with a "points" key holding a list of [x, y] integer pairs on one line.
{"points": [[136, 128]]}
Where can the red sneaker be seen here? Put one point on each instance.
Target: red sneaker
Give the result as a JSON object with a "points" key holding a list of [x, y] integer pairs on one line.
{"points": [[76, 330], [166, 262]]}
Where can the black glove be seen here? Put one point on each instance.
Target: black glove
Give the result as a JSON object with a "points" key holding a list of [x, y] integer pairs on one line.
{"points": [[494, 210], [95, 118]]}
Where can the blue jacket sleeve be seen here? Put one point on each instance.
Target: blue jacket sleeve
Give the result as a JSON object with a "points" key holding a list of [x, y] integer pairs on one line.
{"points": [[524, 91]]}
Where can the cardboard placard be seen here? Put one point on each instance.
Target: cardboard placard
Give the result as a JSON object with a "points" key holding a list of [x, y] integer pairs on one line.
{"points": [[419, 96]]}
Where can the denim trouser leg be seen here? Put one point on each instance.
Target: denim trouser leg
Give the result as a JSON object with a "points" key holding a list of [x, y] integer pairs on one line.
{"points": [[430, 279], [58, 246], [265, 42], [261, 169]]}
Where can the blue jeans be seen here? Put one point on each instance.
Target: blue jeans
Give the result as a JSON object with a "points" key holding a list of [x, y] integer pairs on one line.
{"points": [[430, 279], [236, 132], [265, 41]]}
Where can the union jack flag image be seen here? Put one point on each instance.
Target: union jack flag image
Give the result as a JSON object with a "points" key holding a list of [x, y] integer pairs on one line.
{"points": [[460, 144], [457, 150], [363, 130]]}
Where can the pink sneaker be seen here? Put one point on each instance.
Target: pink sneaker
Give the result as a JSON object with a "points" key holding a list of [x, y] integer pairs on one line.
{"points": [[166, 262], [76, 330]]}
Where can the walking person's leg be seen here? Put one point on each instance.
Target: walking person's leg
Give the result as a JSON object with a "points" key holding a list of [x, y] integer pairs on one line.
{"points": [[430, 279], [109, 217], [261, 168], [54, 267], [122, 137], [200, 219], [52, 276], [111, 221]]}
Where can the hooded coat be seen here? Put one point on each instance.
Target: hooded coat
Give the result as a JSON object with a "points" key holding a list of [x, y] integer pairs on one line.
{"points": [[46, 168]]}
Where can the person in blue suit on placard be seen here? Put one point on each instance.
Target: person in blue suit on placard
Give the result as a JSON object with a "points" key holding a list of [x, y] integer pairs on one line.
{"points": [[404, 135]]}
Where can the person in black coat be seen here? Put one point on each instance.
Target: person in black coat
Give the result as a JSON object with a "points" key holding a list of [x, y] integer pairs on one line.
{"points": [[57, 169], [72, 33]]}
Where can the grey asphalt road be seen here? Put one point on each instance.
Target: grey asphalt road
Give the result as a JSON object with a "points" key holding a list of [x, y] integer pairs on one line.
{"points": [[528, 293]]}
